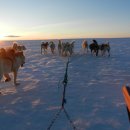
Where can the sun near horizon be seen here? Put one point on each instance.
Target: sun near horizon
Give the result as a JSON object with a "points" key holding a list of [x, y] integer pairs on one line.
{"points": [[4, 38]]}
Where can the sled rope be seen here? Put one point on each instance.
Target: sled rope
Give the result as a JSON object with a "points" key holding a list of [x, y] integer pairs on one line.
{"points": [[68, 117], [54, 119], [65, 81]]}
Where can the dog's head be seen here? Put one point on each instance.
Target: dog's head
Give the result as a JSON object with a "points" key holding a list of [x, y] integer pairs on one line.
{"points": [[20, 57]]}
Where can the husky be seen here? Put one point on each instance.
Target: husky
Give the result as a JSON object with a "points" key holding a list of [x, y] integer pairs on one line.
{"points": [[85, 46], [9, 65], [60, 47], [105, 47], [44, 46], [52, 46], [68, 48], [94, 47]]}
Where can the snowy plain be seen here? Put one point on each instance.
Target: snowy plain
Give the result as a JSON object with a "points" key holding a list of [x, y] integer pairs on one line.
{"points": [[94, 91]]}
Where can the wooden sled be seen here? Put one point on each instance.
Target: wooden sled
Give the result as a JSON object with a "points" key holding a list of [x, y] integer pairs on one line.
{"points": [[126, 93]]}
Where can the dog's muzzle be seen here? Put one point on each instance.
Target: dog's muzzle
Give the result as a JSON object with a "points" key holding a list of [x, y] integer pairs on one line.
{"points": [[22, 64]]}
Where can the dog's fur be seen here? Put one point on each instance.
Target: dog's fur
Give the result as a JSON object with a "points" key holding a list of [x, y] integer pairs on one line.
{"points": [[60, 47], [94, 47], [44, 46], [105, 47], [85, 46], [11, 64], [68, 48], [52, 47]]}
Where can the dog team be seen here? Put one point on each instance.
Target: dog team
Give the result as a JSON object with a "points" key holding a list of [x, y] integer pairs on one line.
{"points": [[67, 48], [12, 58], [64, 49]]}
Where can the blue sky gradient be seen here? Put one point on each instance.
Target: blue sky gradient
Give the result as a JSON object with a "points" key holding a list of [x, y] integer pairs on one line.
{"points": [[45, 19]]}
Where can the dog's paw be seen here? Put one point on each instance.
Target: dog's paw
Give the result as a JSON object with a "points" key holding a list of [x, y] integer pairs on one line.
{"points": [[7, 80], [16, 84]]}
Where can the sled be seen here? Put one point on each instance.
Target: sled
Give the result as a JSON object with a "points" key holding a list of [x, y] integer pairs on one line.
{"points": [[126, 93]]}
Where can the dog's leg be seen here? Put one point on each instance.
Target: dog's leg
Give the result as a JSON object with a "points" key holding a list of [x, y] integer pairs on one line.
{"points": [[1, 76], [108, 52], [7, 77], [51, 50], [44, 51], [15, 77]]}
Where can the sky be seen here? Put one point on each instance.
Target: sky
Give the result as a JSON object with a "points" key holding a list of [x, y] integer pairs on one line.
{"points": [[59, 19]]}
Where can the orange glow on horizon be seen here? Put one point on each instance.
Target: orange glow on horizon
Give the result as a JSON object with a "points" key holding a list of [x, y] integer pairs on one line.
{"points": [[61, 36]]}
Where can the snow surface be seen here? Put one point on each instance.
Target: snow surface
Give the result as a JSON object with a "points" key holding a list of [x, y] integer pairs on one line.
{"points": [[94, 91]]}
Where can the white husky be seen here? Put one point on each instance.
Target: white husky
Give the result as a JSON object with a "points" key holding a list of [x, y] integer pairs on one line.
{"points": [[8, 65]]}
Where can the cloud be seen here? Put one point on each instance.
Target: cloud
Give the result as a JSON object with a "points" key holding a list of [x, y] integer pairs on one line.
{"points": [[12, 36]]}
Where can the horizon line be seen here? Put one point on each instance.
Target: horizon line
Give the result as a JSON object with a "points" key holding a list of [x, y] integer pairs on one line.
{"points": [[63, 38]]}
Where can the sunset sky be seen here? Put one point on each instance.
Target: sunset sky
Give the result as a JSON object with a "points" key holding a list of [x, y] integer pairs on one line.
{"points": [[56, 19]]}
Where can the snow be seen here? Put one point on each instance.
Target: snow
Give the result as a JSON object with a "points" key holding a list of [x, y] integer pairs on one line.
{"points": [[94, 91]]}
